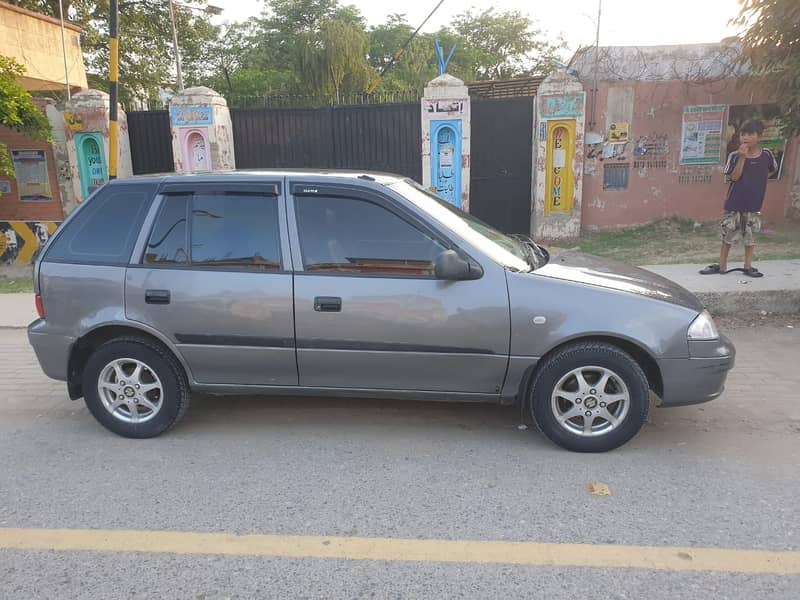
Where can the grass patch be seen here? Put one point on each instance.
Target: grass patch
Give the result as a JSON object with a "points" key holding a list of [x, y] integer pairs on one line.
{"points": [[677, 241], [13, 286]]}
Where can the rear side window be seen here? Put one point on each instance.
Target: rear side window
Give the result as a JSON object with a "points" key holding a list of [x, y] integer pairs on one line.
{"points": [[104, 231], [222, 230], [167, 245], [235, 230]]}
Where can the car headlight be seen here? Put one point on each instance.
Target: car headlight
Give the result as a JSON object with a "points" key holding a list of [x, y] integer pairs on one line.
{"points": [[703, 328]]}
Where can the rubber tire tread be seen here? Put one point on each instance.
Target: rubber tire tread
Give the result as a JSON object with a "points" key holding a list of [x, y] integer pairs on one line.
{"points": [[581, 354], [182, 395]]}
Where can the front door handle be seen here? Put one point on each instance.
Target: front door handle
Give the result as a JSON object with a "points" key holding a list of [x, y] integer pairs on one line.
{"points": [[327, 304], [157, 296]]}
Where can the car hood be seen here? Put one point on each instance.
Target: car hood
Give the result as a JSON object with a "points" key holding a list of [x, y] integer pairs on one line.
{"points": [[602, 272]]}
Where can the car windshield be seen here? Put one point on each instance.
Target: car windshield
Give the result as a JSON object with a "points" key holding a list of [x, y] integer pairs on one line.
{"points": [[506, 250]]}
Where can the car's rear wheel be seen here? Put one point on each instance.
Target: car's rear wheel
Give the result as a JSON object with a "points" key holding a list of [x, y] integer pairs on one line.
{"points": [[590, 397], [135, 387]]}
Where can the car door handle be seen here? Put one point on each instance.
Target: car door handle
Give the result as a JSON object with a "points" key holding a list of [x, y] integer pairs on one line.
{"points": [[327, 304], [157, 297]]}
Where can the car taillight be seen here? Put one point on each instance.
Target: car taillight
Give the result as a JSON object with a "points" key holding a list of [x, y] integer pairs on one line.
{"points": [[39, 306]]}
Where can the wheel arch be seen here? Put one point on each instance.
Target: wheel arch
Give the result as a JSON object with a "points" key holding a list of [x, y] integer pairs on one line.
{"points": [[83, 347], [642, 356]]}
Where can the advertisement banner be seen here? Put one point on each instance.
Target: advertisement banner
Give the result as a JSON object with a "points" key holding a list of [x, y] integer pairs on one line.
{"points": [[701, 134], [30, 169]]}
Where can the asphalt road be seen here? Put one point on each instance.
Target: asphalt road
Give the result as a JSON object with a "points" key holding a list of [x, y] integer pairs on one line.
{"points": [[723, 475]]}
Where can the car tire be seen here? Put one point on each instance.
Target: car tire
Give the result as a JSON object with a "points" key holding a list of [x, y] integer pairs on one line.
{"points": [[589, 378], [135, 403]]}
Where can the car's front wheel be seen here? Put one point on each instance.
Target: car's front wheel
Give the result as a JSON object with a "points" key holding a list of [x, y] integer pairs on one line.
{"points": [[589, 397], [135, 387]]}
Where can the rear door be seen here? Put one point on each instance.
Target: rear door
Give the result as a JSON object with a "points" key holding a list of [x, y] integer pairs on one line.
{"points": [[214, 278], [369, 311]]}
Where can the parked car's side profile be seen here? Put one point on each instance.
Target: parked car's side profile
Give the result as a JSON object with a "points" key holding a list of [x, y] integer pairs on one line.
{"points": [[345, 284]]}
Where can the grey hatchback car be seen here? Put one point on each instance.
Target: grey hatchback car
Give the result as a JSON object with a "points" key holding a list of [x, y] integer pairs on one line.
{"points": [[347, 284]]}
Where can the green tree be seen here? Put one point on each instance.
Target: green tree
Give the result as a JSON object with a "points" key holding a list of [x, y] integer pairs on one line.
{"points": [[17, 110], [496, 45], [414, 68], [333, 59], [770, 42]]}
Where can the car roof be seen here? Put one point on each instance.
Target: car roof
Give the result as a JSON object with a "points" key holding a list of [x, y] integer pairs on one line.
{"points": [[251, 174]]}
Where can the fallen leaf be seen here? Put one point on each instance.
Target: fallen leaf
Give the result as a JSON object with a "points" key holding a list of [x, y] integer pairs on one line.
{"points": [[684, 555], [599, 489]]}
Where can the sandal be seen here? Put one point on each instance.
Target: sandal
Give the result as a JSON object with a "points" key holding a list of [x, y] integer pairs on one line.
{"points": [[711, 270], [752, 272]]}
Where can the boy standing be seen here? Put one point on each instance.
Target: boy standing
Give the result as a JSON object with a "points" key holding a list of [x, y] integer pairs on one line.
{"points": [[748, 170]]}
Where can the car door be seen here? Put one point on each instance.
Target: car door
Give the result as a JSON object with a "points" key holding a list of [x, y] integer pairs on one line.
{"points": [[214, 278], [370, 314]]}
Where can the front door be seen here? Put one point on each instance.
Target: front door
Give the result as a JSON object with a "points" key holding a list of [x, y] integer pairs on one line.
{"points": [[370, 313], [213, 279]]}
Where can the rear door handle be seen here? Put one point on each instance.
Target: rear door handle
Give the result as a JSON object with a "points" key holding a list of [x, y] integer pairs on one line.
{"points": [[327, 304], [157, 297]]}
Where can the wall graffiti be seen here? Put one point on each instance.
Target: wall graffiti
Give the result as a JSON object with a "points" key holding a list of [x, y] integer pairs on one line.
{"points": [[651, 151], [695, 174], [20, 241]]}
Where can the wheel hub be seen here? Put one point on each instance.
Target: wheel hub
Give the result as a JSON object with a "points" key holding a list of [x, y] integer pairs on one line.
{"points": [[590, 401], [130, 390]]}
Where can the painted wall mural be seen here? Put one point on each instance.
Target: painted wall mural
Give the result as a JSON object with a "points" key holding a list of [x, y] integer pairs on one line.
{"points": [[21, 241], [559, 188]]}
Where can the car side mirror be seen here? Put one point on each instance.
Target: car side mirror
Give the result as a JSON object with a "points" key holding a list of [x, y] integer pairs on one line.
{"points": [[451, 266]]}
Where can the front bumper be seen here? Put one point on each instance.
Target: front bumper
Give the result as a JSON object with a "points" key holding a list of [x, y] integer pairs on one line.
{"points": [[701, 376], [52, 350]]}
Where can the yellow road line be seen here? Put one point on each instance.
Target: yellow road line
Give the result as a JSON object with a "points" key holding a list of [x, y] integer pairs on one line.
{"points": [[387, 549]]}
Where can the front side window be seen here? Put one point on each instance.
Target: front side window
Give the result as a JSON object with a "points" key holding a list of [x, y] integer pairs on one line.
{"points": [[357, 236], [223, 230]]}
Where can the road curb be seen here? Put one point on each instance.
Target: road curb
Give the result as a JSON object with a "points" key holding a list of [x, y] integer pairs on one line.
{"points": [[780, 302]]}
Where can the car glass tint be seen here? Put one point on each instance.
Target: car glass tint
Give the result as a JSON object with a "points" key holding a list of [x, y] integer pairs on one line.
{"points": [[167, 244], [357, 236], [105, 228], [235, 230]]}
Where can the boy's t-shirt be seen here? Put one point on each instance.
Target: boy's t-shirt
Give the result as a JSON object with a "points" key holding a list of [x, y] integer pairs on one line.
{"points": [[747, 194]]}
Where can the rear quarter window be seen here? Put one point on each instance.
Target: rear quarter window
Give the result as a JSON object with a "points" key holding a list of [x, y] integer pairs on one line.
{"points": [[105, 228]]}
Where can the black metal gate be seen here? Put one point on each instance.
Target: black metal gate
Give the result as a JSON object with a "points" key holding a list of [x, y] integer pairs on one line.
{"points": [[501, 146], [151, 142], [383, 137]]}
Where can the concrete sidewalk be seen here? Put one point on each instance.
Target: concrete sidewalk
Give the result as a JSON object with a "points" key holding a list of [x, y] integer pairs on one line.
{"points": [[777, 292]]}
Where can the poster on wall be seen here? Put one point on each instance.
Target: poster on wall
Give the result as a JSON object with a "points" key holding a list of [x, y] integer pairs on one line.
{"points": [[30, 169], [701, 134], [618, 132], [772, 139]]}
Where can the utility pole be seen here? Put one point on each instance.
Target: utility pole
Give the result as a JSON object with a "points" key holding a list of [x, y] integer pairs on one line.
{"points": [[64, 48], [592, 121], [113, 78], [175, 46]]}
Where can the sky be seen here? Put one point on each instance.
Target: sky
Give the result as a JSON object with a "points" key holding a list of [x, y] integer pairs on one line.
{"points": [[622, 23]]}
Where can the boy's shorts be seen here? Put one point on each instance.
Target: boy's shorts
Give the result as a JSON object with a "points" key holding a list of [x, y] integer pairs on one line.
{"points": [[736, 226]]}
